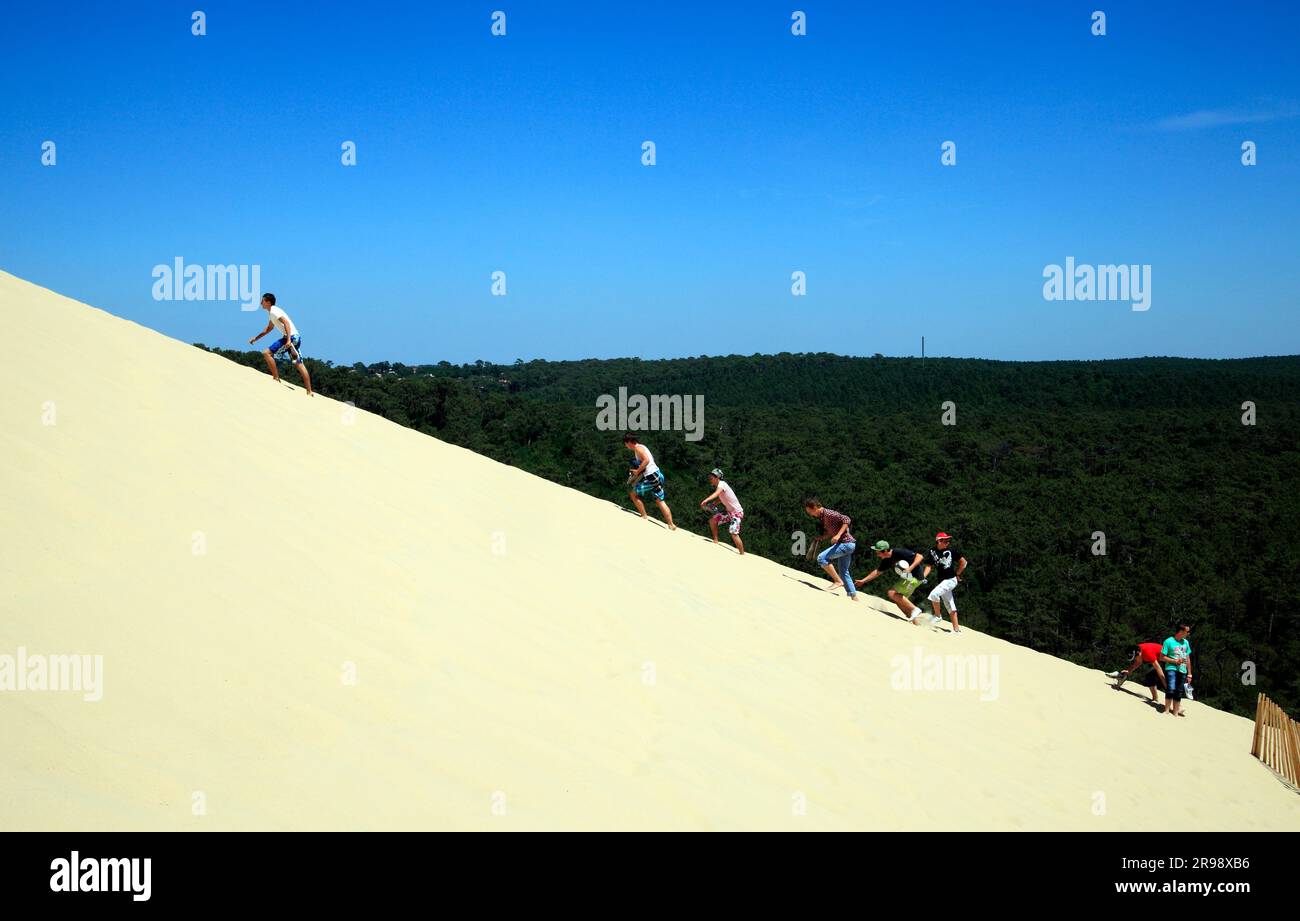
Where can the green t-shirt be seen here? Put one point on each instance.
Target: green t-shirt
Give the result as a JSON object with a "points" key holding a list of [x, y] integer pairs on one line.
{"points": [[1176, 650]]}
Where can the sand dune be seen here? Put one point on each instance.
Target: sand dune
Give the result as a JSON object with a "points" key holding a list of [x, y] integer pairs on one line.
{"points": [[525, 656]]}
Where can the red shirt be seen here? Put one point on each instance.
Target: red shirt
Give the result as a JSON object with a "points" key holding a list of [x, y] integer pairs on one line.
{"points": [[1150, 652], [832, 521]]}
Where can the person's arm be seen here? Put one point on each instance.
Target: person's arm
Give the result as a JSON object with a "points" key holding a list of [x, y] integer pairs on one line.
{"points": [[863, 581], [926, 574], [915, 563], [961, 567], [1132, 666], [269, 327], [717, 492]]}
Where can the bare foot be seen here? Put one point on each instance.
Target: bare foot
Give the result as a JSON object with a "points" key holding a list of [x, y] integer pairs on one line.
{"points": [[853, 597]]}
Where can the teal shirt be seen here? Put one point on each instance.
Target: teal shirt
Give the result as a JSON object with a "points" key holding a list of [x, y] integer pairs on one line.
{"points": [[1174, 649]]}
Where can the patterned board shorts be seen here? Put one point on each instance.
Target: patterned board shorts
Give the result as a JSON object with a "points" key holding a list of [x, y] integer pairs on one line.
{"points": [[652, 485], [280, 347], [731, 520]]}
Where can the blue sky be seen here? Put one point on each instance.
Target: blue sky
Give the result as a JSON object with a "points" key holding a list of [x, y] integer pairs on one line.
{"points": [[775, 153]]}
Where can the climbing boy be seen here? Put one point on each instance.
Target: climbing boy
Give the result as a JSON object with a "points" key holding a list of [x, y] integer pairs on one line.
{"points": [[286, 346]]}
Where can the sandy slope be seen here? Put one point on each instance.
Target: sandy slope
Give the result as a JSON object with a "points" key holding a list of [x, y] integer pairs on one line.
{"points": [[600, 672]]}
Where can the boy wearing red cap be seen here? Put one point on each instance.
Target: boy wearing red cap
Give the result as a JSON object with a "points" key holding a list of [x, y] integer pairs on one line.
{"points": [[950, 563]]}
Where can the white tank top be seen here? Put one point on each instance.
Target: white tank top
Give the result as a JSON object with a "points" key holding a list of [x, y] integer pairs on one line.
{"points": [[650, 466]]}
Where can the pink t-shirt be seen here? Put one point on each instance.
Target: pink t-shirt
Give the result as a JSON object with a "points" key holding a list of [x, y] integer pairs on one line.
{"points": [[728, 497]]}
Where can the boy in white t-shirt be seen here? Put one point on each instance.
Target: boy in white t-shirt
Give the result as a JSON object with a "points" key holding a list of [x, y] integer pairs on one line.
{"points": [[288, 343], [731, 515]]}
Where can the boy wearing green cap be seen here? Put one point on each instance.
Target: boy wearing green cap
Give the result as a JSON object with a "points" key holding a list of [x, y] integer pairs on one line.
{"points": [[901, 562]]}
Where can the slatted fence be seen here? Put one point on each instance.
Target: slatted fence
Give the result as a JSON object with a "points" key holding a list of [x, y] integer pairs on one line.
{"points": [[1277, 741]]}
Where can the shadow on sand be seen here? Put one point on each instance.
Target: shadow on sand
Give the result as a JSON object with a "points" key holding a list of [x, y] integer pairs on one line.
{"points": [[1144, 695]]}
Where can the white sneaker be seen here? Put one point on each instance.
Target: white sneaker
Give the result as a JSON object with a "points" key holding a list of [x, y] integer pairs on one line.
{"points": [[935, 620]]}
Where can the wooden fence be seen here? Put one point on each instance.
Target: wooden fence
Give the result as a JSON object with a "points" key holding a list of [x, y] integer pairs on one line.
{"points": [[1277, 741]]}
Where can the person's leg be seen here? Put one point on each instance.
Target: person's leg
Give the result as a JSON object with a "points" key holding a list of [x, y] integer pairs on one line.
{"points": [[845, 576], [903, 604], [935, 594], [845, 561], [667, 513], [306, 378], [825, 560], [950, 602], [636, 500], [734, 528], [270, 364], [713, 526], [1169, 691]]}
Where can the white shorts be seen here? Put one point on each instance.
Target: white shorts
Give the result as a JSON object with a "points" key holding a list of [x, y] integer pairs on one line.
{"points": [[944, 590]]}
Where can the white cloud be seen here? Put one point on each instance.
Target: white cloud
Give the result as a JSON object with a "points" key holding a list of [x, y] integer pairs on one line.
{"points": [[1218, 118]]}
